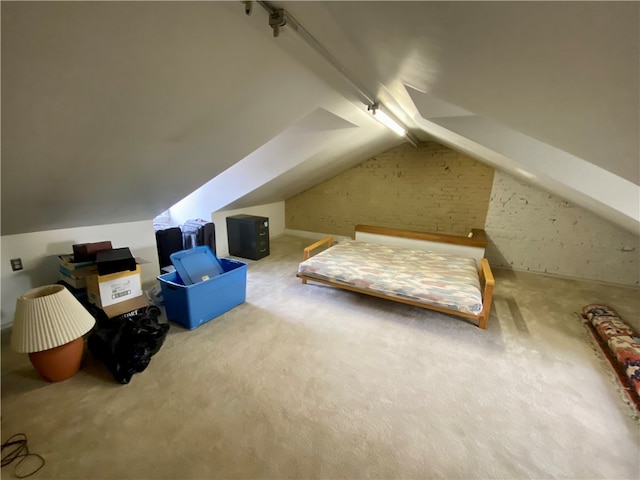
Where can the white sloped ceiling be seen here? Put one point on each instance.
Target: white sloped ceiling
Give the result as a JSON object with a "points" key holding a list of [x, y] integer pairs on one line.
{"points": [[547, 91], [116, 111]]}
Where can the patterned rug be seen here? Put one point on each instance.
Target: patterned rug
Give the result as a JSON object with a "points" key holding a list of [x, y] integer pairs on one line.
{"points": [[620, 344]]}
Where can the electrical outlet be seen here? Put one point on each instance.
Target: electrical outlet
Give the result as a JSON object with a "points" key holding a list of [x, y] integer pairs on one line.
{"points": [[16, 264]]}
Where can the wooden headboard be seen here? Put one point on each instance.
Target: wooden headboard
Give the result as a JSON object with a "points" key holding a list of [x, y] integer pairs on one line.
{"points": [[472, 245]]}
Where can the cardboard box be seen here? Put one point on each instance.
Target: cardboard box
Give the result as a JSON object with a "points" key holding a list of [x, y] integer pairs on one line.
{"points": [[106, 290], [75, 281], [69, 263], [74, 273], [193, 305], [128, 306]]}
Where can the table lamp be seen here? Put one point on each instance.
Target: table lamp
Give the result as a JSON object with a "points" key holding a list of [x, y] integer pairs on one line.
{"points": [[49, 325]]}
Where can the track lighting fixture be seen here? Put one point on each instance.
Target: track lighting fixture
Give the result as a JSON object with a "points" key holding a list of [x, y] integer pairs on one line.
{"points": [[386, 120], [278, 18]]}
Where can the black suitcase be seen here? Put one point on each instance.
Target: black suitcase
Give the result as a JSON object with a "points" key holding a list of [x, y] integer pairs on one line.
{"points": [[207, 236], [168, 241], [199, 232]]}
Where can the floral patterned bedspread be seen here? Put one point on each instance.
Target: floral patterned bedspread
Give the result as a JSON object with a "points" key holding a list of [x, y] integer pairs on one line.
{"points": [[438, 279]]}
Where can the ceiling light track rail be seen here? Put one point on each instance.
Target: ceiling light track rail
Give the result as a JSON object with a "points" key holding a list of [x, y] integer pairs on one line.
{"points": [[279, 18]]}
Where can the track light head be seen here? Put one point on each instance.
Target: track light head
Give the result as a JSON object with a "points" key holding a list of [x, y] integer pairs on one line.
{"points": [[277, 19], [386, 120]]}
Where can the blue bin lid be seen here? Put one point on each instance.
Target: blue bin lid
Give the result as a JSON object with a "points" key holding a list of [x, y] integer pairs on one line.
{"points": [[196, 264]]}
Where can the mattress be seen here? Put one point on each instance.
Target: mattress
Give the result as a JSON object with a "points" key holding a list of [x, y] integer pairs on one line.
{"points": [[437, 279]]}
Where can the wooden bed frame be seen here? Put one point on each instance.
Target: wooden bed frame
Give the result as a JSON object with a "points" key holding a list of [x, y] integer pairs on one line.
{"points": [[475, 244]]}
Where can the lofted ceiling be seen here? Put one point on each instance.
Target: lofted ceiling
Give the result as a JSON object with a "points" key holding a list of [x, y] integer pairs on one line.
{"points": [[116, 111]]}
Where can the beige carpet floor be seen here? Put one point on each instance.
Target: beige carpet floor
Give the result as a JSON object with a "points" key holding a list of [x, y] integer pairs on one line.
{"points": [[306, 381]]}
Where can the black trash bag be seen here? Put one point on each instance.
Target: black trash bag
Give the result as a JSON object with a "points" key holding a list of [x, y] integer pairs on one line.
{"points": [[126, 344]]}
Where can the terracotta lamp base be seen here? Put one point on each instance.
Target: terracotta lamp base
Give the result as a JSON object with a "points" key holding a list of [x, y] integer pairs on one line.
{"points": [[59, 363]]}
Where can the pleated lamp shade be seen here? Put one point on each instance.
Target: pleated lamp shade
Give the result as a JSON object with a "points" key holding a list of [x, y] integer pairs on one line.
{"points": [[48, 317]]}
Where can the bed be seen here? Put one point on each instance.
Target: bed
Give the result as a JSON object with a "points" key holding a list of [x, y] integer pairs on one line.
{"points": [[445, 273]]}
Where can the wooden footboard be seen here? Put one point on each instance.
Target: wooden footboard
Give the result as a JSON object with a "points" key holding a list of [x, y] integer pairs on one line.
{"points": [[328, 241], [307, 251], [484, 273], [486, 284]]}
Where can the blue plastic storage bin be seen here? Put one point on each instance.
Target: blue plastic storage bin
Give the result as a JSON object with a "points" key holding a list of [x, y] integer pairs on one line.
{"points": [[196, 264], [193, 305]]}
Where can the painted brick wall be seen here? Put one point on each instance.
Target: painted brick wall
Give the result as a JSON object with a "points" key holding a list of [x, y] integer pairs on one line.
{"points": [[530, 229], [429, 188]]}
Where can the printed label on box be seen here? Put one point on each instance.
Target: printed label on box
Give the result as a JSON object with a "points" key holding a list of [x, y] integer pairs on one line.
{"points": [[105, 290], [120, 289]]}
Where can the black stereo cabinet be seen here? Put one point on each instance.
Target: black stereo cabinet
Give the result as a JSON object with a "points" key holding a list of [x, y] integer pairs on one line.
{"points": [[248, 236]]}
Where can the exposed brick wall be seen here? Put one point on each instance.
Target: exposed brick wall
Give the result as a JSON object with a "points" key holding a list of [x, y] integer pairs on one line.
{"points": [[529, 229], [429, 188], [435, 189]]}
